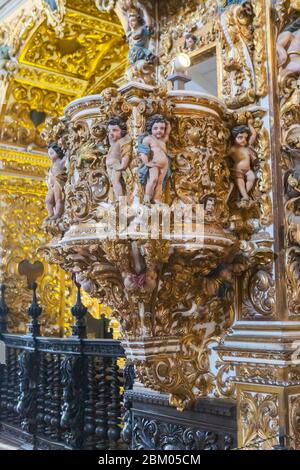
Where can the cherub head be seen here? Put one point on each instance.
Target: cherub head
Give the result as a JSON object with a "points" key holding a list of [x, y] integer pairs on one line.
{"points": [[84, 282], [55, 152], [240, 135], [190, 42], [150, 280], [117, 129], [4, 52], [157, 125], [134, 21], [248, 8], [209, 204]]}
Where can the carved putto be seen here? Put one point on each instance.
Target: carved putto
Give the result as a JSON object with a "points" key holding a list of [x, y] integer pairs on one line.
{"points": [[138, 24], [56, 181], [190, 41], [288, 50], [7, 65], [243, 156], [156, 166], [119, 154]]}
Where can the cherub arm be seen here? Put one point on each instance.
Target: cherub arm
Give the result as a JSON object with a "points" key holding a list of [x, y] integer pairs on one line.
{"points": [[125, 154], [144, 149], [282, 43], [124, 20], [124, 163], [147, 17], [253, 135], [231, 152], [167, 132]]}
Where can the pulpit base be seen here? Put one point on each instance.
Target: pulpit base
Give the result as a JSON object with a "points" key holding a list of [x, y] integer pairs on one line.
{"points": [[151, 423]]}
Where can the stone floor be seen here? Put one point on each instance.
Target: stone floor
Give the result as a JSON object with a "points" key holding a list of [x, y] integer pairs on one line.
{"points": [[6, 446], [7, 443]]}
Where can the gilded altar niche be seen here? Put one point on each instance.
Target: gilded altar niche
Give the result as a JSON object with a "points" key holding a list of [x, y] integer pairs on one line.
{"points": [[235, 32]]}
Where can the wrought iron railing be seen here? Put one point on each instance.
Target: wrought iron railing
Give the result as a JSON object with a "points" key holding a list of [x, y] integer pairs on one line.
{"points": [[60, 393]]}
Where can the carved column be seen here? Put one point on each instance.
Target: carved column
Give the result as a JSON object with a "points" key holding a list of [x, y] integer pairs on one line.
{"points": [[263, 341]]}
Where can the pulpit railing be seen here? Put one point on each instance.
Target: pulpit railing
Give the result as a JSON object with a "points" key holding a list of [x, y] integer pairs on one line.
{"points": [[60, 393]]}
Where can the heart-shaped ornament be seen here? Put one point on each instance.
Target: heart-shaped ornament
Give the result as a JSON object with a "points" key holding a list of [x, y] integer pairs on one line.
{"points": [[31, 271]]}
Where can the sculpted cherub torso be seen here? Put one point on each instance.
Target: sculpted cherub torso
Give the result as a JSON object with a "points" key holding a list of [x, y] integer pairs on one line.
{"points": [[156, 158], [118, 156], [159, 152], [243, 155], [288, 50], [114, 156], [55, 182]]}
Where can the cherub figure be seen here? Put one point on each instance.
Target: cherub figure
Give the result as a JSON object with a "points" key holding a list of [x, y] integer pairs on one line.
{"points": [[210, 208], [7, 62], [56, 181], [243, 155], [118, 156], [138, 30], [152, 150], [145, 281], [190, 42], [288, 50]]}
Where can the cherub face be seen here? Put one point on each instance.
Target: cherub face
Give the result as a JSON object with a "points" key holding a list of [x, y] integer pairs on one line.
{"points": [[133, 22], [242, 139], [114, 133], [210, 205], [53, 155], [158, 130], [190, 43], [248, 8], [226, 275]]}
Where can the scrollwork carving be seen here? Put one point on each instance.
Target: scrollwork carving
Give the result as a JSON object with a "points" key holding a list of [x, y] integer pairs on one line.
{"points": [[259, 417], [243, 54]]}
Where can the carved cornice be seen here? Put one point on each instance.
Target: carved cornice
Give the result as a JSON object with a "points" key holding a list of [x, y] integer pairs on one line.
{"points": [[23, 164]]}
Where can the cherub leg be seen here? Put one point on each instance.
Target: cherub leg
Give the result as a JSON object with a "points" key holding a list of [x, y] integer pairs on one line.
{"points": [[116, 182], [250, 180], [59, 202], [50, 203], [151, 183], [159, 187], [241, 184]]}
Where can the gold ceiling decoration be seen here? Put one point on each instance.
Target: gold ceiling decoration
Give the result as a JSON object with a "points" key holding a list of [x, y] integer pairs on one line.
{"points": [[56, 62], [52, 57]]}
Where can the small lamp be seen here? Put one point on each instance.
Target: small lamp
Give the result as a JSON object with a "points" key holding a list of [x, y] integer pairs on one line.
{"points": [[179, 77]]}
